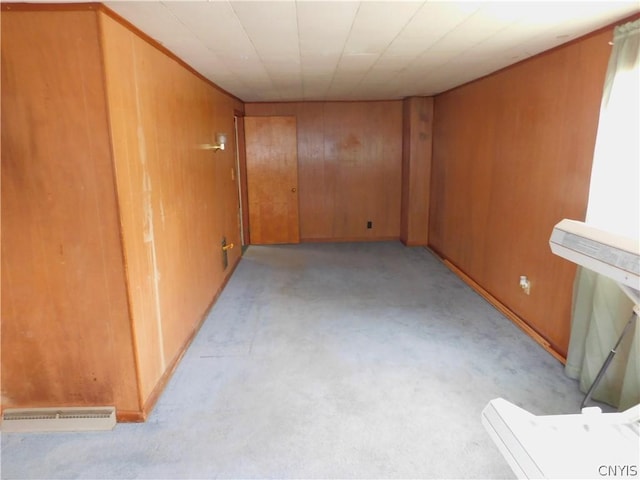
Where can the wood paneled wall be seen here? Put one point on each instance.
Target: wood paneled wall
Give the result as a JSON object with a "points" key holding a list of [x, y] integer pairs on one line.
{"points": [[349, 167], [177, 200], [512, 156], [112, 213], [417, 140], [66, 338]]}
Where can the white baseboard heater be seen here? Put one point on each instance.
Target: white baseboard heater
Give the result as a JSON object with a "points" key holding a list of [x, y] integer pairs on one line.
{"points": [[67, 419]]}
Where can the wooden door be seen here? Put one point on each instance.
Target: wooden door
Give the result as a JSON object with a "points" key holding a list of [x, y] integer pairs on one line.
{"points": [[272, 179]]}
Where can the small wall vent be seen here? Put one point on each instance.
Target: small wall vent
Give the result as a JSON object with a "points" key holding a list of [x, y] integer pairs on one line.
{"points": [[67, 419]]}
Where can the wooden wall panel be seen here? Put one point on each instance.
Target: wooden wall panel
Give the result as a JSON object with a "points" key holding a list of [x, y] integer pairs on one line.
{"points": [[512, 156], [66, 338], [349, 167], [177, 200], [416, 169]]}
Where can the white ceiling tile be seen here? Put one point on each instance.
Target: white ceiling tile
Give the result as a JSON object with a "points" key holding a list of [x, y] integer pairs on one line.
{"points": [[359, 63], [215, 24], [377, 24], [284, 80], [431, 60], [387, 63], [271, 26], [341, 87], [317, 65], [324, 26], [319, 78], [472, 31], [432, 22], [287, 65]]}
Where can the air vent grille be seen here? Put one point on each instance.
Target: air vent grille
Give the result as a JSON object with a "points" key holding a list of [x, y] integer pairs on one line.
{"points": [[67, 419]]}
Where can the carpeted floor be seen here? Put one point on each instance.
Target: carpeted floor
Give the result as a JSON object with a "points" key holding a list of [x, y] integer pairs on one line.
{"points": [[352, 360]]}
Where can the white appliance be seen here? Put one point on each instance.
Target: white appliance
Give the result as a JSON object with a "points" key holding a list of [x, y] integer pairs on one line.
{"points": [[590, 444], [611, 255]]}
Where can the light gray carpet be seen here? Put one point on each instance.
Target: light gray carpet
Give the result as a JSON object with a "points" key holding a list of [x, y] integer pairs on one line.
{"points": [[368, 360]]}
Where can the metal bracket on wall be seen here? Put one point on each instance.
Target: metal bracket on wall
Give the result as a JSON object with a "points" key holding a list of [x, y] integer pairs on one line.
{"points": [[225, 248]]}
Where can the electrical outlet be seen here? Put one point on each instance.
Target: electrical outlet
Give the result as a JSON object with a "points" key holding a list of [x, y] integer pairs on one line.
{"points": [[369, 224], [525, 284]]}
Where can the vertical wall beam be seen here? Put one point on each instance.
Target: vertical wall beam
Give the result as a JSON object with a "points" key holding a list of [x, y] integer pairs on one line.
{"points": [[416, 169]]}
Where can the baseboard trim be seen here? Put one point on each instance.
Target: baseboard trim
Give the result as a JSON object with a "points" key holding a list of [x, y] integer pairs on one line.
{"points": [[153, 397], [497, 304], [348, 239], [129, 416], [410, 243]]}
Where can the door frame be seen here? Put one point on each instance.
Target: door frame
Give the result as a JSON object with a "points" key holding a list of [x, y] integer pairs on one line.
{"points": [[241, 168]]}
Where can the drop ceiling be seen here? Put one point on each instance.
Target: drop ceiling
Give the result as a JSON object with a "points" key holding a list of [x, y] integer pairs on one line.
{"points": [[368, 50]]}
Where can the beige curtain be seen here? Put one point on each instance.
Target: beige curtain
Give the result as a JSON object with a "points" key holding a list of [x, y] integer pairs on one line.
{"points": [[600, 308], [600, 312]]}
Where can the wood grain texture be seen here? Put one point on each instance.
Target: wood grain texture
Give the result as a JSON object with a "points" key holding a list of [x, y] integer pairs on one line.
{"points": [[512, 156], [54, 7], [66, 338], [349, 167], [177, 200], [272, 179], [416, 169]]}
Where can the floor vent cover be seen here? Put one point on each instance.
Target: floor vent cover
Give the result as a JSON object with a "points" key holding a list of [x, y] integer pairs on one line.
{"points": [[67, 419]]}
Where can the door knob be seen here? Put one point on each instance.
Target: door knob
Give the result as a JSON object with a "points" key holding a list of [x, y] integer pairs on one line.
{"points": [[294, 189], [227, 247]]}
